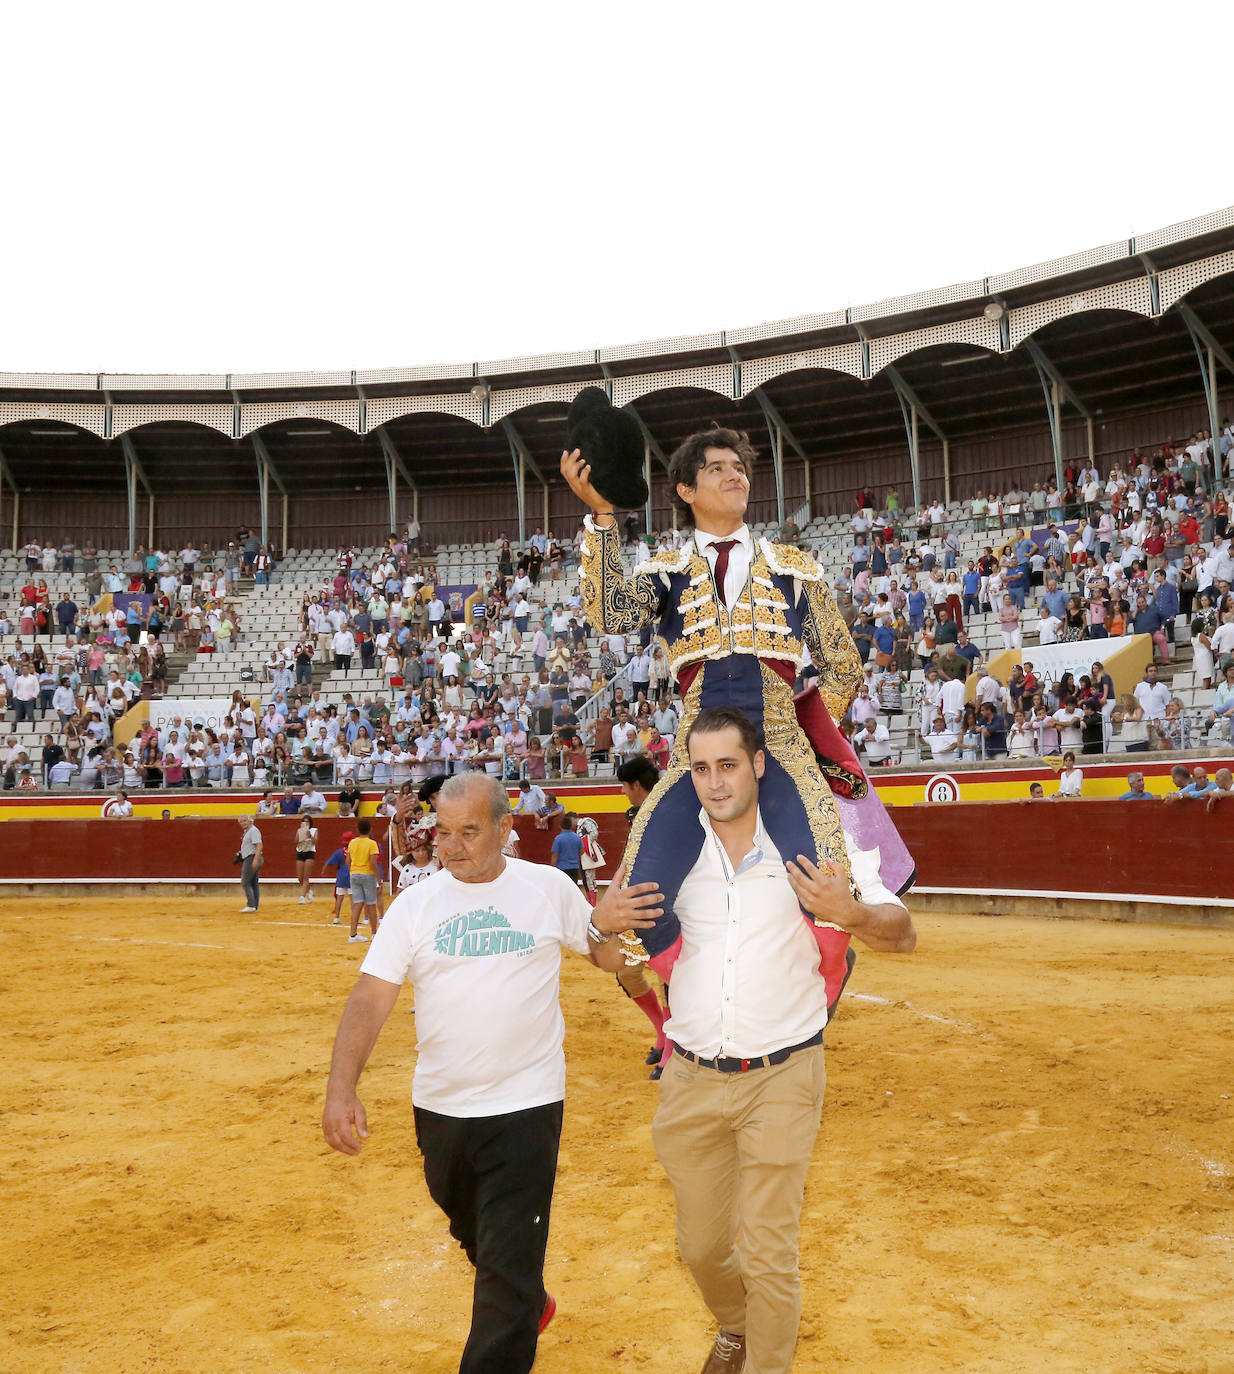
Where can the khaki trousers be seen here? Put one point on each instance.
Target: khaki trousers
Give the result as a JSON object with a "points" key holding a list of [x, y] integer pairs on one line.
{"points": [[736, 1148]]}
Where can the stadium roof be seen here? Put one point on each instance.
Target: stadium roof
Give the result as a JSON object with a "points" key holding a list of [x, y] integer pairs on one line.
{"points": [[1115, 329]]}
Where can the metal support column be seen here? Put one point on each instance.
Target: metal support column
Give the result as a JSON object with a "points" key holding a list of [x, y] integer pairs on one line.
{"points": [[6, 475], [135, 473], [520, 478], [1209, 353], [909, 411], [946, 472], [1056, 390], [777, 467], [265, 471], [647, 479], [522, 454], [648, 438], [914, 413], [396, 468], [520, 489], [779, 432]]}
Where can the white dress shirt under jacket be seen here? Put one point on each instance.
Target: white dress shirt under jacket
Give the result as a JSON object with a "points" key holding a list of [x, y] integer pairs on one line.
{"points": [[747, 981]]}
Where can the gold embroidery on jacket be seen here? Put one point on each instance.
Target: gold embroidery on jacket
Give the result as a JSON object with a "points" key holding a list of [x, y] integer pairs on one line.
{"points": [[787, 744]]}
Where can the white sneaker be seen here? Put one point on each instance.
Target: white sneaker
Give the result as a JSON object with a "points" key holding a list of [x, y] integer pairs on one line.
{"points": [[245, 909], [357, 939], [301, 903], [336, 922], [310, 894]]}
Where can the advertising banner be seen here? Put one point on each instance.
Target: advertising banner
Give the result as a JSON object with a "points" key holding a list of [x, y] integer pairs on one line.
{"points": [[209, 711]]}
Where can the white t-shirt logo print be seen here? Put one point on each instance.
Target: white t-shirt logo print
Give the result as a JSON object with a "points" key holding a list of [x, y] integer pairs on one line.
{"points": [[473, 934], [464, 1064]]}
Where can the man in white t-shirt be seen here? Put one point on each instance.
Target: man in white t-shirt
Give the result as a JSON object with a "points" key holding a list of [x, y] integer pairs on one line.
{"points": [[488, 932], [1069, 720], [625, 737], [874, 742], [942, 742], [989, 689], [1153, 696], [450, 664]]}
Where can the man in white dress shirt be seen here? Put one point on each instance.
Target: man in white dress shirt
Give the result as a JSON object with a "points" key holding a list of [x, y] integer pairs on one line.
{"points": [[740, 1100]]}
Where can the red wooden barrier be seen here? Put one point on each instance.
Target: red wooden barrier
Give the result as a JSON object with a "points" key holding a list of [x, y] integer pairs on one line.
{"points": [[1109, 848]]}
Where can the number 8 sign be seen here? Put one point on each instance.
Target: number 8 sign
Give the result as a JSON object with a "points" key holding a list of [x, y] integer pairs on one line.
{"points": [[942, 788]]}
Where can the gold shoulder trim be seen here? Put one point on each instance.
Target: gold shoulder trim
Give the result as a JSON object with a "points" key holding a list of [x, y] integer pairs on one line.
{"points": [[665, 561], [790, 562]]}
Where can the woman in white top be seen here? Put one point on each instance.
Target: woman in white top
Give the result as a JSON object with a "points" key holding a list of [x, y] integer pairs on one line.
{"points": [[1203, 627], [363, 751], [1128, 715], [452, 694], [306, 853], [1071, 779]]}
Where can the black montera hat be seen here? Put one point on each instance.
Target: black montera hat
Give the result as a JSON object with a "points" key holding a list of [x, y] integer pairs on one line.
{"points": [[611, 441]]}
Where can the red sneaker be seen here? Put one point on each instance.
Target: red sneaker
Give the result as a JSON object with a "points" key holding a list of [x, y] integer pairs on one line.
{"points": [[550, 1310]]}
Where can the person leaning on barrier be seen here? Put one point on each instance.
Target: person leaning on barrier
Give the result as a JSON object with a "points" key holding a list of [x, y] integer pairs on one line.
{"points": [[1136, 790]]}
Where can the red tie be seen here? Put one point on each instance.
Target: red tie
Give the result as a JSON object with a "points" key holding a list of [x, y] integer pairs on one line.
{"points": [[722, 547]]}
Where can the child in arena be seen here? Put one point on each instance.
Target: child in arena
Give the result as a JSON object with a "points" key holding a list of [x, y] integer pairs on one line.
{"points": [[342, 873], [419, 862]]}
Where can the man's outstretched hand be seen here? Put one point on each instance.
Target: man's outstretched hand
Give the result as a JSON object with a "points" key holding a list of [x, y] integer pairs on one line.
{"points": [[578, 475], [627, 908]]}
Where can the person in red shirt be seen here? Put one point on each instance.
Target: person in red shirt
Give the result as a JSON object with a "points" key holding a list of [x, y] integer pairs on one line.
{"points": [[1154, 543], [657, 749], [1189, 529]]}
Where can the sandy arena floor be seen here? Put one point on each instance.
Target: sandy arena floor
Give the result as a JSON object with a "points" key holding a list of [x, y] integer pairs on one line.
{"points": [[1026, 1161]]}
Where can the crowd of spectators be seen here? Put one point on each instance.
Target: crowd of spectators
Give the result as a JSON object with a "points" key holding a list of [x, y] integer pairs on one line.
{"points": [[106, 645], [1123, 554], [443, 708], [1100, 558]]}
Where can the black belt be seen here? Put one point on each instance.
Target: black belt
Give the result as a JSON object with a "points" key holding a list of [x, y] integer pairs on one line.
{"points": [[763, 1061]]}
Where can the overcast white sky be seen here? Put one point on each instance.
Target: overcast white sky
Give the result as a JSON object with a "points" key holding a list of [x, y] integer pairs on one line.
{"points": [[243, 187]]}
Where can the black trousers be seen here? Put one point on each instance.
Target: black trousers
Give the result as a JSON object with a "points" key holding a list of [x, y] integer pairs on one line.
{"points": [[493, 1178]]}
